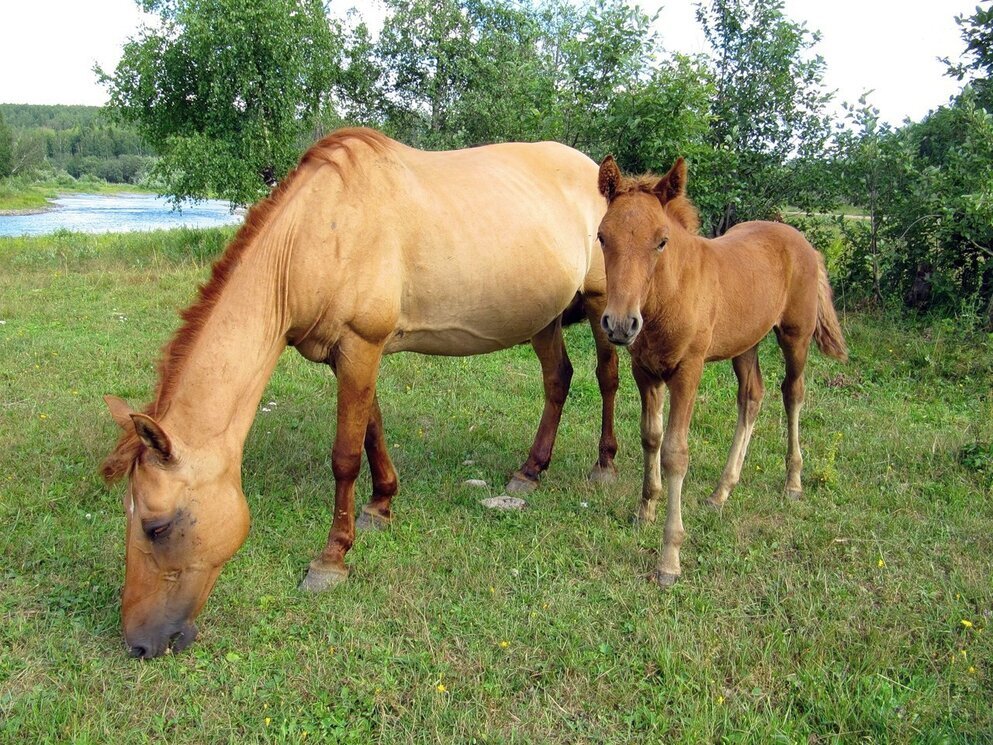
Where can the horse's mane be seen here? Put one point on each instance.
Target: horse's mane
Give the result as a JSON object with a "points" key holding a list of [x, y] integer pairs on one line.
{"points": [[680, 209], [175, 353]]}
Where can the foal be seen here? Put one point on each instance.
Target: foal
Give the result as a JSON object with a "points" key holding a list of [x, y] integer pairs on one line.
{"points": [[678, 300]]}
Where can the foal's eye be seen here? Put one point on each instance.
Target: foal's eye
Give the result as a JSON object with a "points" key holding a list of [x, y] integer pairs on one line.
{"points": [[662, 244]]}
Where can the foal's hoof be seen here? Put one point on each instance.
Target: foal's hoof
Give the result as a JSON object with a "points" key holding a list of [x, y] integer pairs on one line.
{"points": [[369, 521], [321, 577], [715, 503], [663, 579], [521, 484], [603, 474], [794, 495]]}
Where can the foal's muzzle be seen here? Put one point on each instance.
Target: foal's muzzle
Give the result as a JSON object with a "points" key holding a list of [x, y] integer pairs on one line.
{"points": [[621, 329]]}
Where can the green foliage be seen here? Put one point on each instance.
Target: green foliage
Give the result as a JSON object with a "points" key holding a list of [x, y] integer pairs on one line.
{"points": [[977, 61], [767, 109], [926, 187], [6, 149], [78, 140], [224, 90]]}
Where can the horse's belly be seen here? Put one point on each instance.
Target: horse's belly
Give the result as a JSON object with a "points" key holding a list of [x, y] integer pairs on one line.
{"points": [[490, 313]]}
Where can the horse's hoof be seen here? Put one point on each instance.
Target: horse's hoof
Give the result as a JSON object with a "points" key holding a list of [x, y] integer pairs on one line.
{"points": [[521, 484], [794, 494], [603, 474], [369, 521], [321, 578], [664, 580]]}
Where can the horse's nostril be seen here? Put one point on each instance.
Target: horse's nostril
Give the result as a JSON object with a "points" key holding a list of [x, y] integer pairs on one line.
{"points": [[605, 322], [635, 325], [138, 651]]}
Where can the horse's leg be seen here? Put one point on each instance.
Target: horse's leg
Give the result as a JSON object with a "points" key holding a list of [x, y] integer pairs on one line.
{"points": [[750, 391], [795, 348], [604, 471], [556, 373], [377, 513], [652, 393], [356, 365], [675, 458]]}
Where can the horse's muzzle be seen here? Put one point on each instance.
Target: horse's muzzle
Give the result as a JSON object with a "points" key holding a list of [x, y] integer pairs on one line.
{"points": [[148, 643], [621, 329]]}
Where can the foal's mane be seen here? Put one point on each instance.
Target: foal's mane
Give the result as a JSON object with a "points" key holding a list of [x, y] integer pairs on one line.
{"points": [[175, 353], [679, 209]]}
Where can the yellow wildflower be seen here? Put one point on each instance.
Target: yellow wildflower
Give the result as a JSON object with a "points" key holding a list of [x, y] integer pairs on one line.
{"points": [[268, 721], [972, 669], [967, 623], [880, 563], [504, 644], [441, 688], [720, 700]]}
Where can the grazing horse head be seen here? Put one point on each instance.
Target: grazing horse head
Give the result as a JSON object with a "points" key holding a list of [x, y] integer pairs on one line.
{"points": [[186, 516], [634, 233]]}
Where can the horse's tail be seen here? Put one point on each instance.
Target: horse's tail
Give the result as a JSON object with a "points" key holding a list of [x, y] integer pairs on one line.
{"points": [[827, 332]]}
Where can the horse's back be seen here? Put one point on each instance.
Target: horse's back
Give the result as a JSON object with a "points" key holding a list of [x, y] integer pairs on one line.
{"points": [[497, 242]]}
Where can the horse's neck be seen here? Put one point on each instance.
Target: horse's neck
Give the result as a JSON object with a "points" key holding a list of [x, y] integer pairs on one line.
{"points": [[216, 395]]}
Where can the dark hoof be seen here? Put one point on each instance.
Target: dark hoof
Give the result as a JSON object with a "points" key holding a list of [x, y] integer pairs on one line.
{"points": [[664, 579], [321, 578], [603, 474], [794, 495], [368, 521], [521, 484]]}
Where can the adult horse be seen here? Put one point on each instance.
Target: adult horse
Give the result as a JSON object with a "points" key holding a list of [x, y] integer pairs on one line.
{"points": [[678, 300], [367, 248]]}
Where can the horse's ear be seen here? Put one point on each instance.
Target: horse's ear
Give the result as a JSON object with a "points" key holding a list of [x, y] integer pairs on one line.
{"points": [[153, 436], [121, 412], [673, 184], [610, 177]]}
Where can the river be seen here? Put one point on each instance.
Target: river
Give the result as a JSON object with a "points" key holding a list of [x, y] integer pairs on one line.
{"points": [[117, 213]]}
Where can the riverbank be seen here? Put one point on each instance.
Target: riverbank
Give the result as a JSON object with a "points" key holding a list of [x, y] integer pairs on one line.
{"points": [[19, 198]]}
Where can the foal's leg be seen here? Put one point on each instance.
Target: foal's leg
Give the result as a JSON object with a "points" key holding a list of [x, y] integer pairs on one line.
{"points": [[675, 459], [377, 512], [556, 373], [750, 390], [652, 393], [357, 365], [604, 471], [795, 349]]}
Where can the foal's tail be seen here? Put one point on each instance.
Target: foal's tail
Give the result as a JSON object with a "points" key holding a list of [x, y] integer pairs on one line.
{"points": [[827, 332]]}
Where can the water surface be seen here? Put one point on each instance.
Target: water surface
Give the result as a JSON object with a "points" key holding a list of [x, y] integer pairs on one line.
{"points": [[118, 213]]}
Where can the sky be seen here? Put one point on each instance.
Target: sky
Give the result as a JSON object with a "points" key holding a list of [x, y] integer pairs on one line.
{"points": [[48, 47]]}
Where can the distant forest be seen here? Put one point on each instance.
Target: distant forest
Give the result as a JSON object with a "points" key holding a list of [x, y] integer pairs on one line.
{"points": [[79, 140]]}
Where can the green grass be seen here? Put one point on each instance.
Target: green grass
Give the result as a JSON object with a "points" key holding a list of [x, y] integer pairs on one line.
{"points": [[838, 618]]}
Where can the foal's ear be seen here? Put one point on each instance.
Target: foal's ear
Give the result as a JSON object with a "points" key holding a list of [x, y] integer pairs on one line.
{"points": [[610, 177], [153, 436], [673, 184], [121, 412]]}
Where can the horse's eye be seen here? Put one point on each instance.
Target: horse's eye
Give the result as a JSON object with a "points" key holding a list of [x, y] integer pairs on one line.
{"points": [[599, 238], [662, 243], [156, 531]]}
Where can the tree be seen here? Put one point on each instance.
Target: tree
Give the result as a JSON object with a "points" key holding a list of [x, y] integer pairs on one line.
{"points": [[6, 149], [767, 109], [977, 33], [225, 90]]}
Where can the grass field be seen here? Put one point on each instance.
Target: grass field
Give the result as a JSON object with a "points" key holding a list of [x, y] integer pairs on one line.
{"points": [[859, 614]]}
